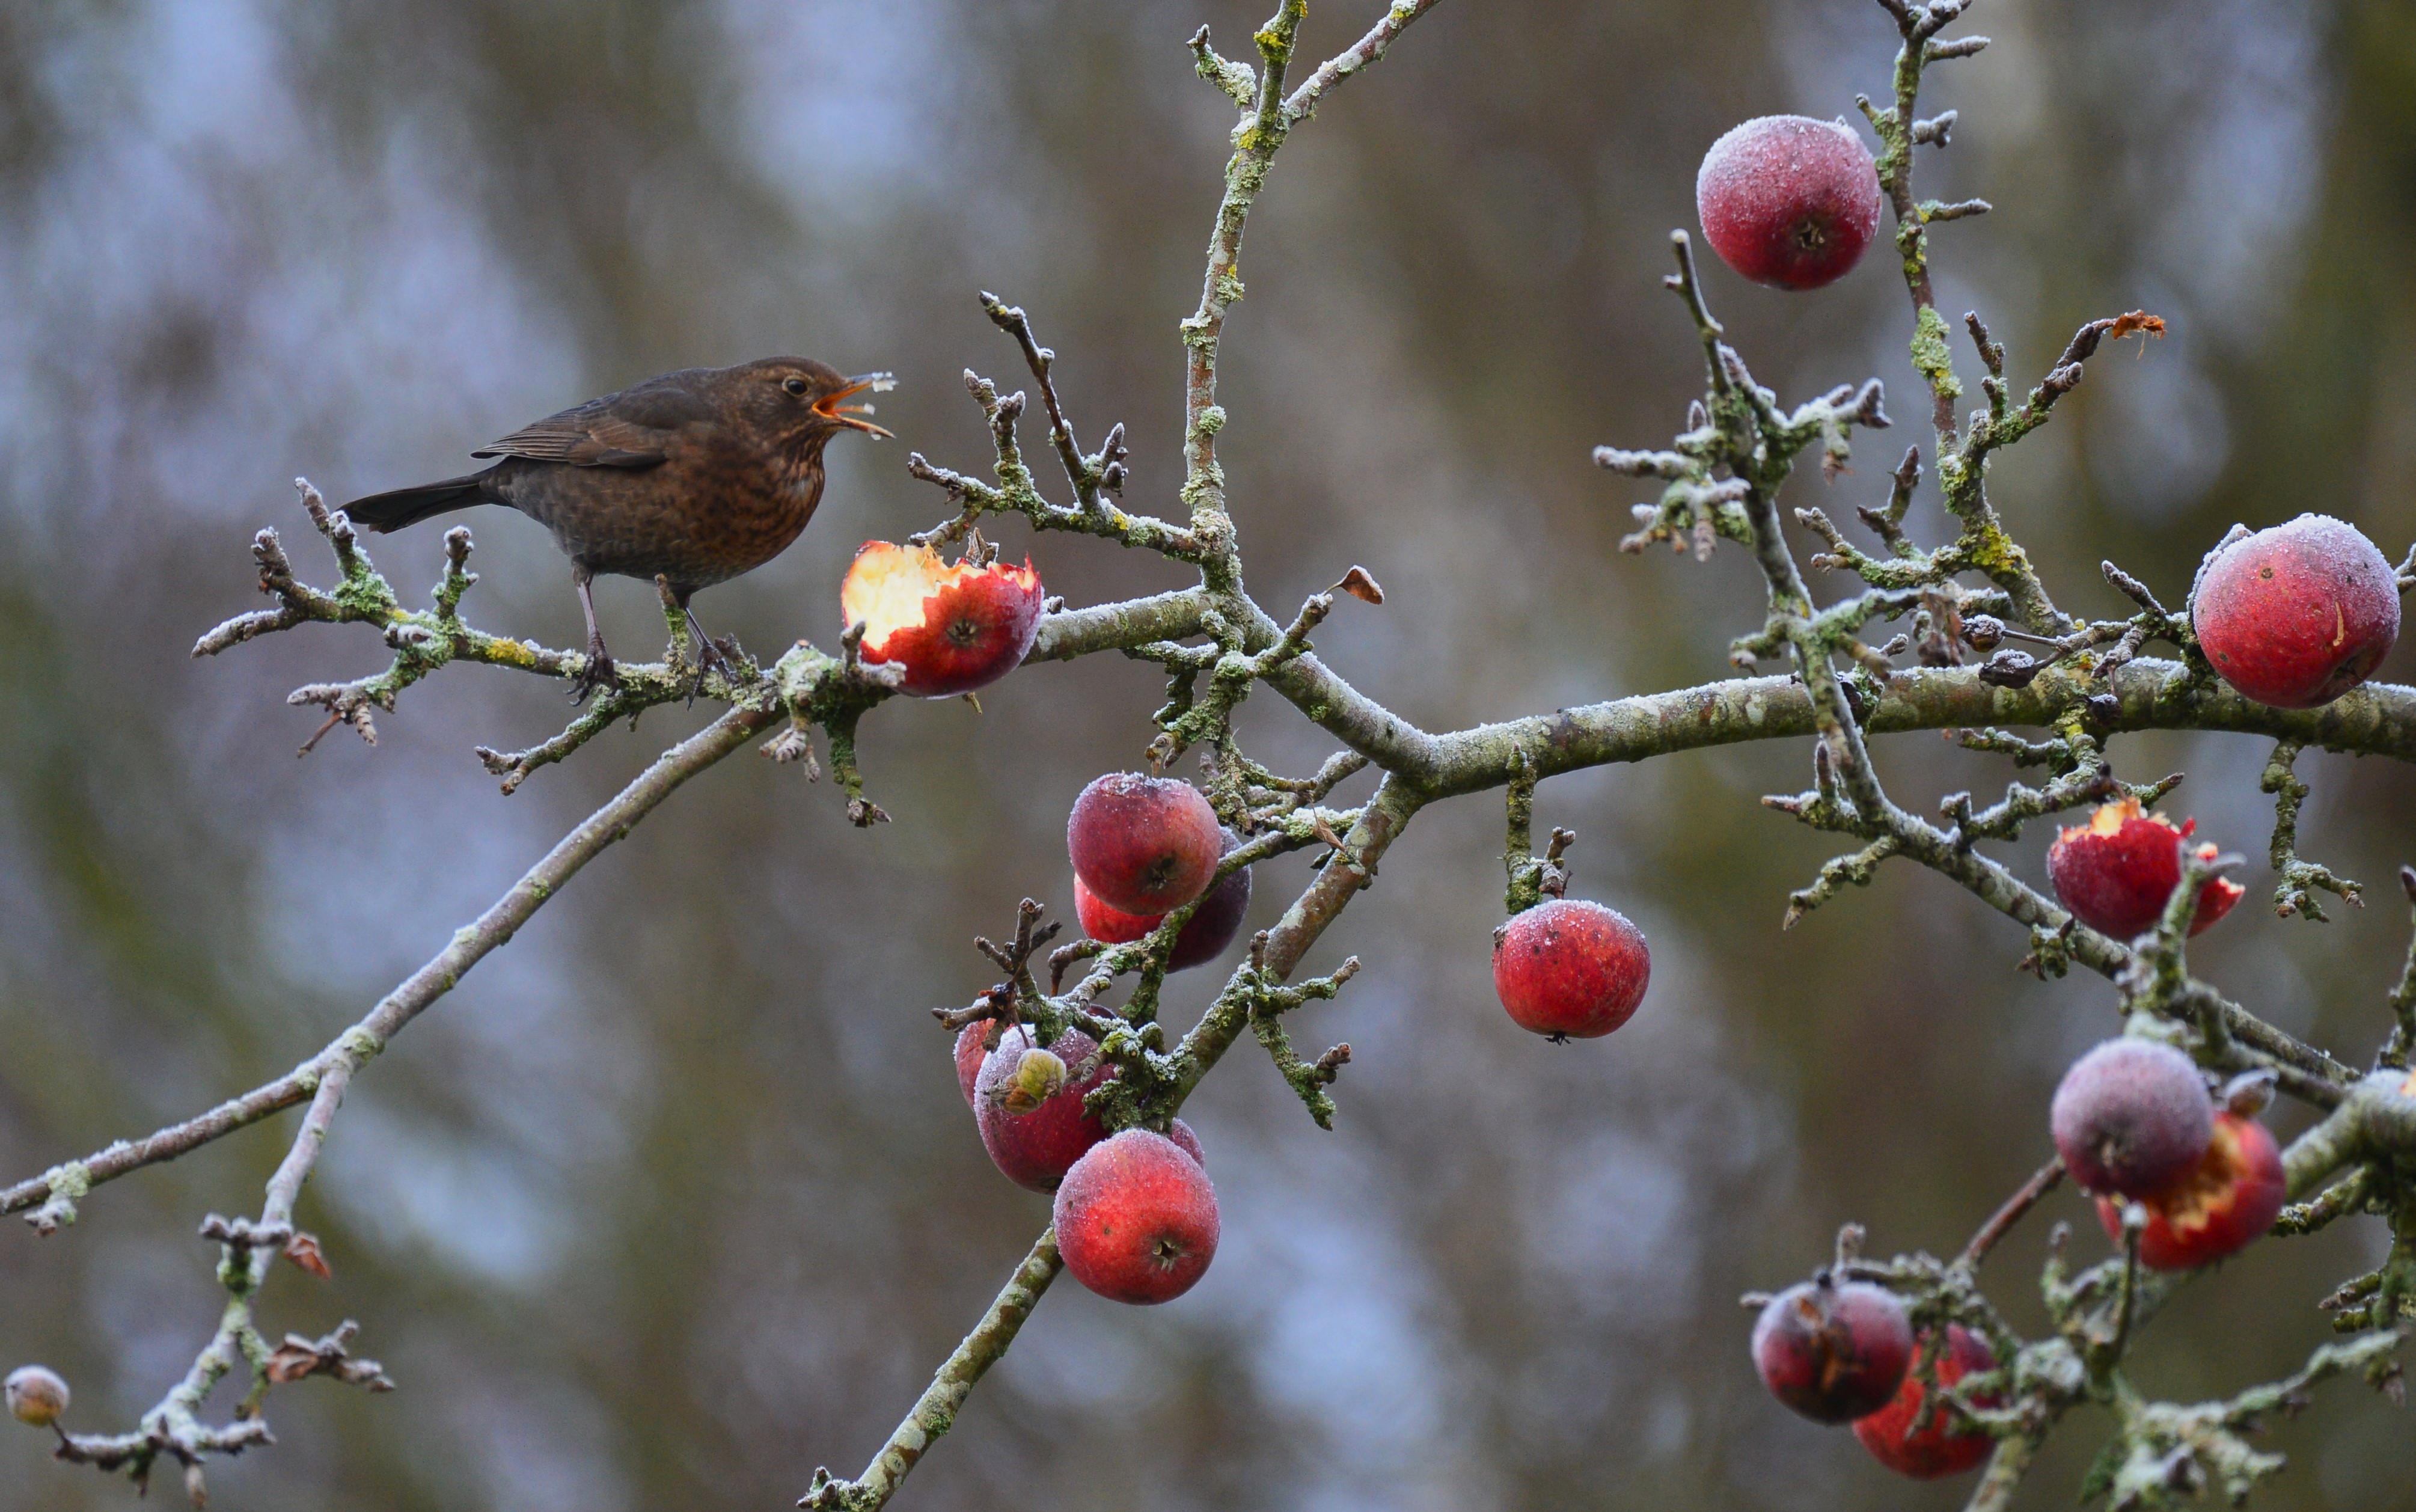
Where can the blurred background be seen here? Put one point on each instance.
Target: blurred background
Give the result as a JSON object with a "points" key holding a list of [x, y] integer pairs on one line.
{"points": [[675, 1198]]}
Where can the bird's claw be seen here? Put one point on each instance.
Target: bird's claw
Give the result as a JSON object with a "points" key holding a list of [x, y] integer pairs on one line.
{"points": [[711, 657], [599, 671]]}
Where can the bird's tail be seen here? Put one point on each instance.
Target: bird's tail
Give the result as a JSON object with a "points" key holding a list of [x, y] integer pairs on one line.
{"points": [[408, 507]]}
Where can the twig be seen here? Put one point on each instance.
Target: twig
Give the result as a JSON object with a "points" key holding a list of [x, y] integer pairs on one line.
{"points": [[2000, 1222], [2293, 893]]}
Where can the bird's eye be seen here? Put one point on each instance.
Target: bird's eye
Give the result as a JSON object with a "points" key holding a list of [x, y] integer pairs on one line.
{"points": [[794, 386]]}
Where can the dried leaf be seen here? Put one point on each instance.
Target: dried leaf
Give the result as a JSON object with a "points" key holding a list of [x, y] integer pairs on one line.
{"points": [[2135, 324], [1359, 585], [303, 1252], [299, 1357], [292, 1362]]}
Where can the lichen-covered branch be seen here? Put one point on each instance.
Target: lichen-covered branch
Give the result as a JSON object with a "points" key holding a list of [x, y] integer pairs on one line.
{"points": [[2379, 719], [2295, 892], [1368, 51], [423, 640]]}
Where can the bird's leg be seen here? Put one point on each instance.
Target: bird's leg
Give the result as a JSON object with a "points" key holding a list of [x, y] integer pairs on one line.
{"points": [[599, 670], [709, 657]]}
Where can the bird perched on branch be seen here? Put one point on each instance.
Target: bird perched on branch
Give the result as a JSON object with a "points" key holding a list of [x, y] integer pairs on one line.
{"points": [[692, 477]]}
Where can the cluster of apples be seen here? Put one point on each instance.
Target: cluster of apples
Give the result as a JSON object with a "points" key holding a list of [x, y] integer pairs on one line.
{"points": [[2133, 1123], [2293, 617], [1843, 1351], [1136, 1215]]}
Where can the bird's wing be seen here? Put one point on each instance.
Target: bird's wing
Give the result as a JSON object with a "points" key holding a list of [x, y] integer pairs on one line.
{"points": [[630, 428]]}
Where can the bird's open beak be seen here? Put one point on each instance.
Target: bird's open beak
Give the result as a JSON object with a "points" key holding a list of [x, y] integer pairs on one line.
{"points": [[855, 415]]}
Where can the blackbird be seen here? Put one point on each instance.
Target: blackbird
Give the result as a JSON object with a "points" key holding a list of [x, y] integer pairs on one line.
{"points": [[694, 476]]}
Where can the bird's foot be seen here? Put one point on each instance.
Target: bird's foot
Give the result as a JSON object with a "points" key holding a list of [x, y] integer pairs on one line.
{"points": [[714, 656], [599, 671]]}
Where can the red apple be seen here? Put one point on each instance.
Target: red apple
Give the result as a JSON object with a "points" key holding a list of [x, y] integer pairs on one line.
{"points": [[973, 1045], [2298, 614], [1947, 1446], [2117, 872], [1136, 1220], [1210, 930], [1035, 1148], [1570, 969], [1143, 845], [953, 627]]}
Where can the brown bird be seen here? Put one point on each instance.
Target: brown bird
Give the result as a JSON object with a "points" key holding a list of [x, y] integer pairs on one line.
{"points": [[694, 476]]}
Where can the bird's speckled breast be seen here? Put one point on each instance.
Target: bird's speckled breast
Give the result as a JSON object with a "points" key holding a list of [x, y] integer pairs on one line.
{"points": [[707, 513]]}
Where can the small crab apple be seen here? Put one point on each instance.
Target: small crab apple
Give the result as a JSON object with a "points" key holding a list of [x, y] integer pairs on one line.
{"points": [[2228, 1200], [1036, 1147], [1833, 1352], [36, 1396], [1210, 929], [974, 1045], [951, 626], [1570, 969], [1789, 201], [2132, 1117], [1136, 1218], [1947, 1446], [2116, 871], [1143, 845], [1188, 1142], [2298, 614]]}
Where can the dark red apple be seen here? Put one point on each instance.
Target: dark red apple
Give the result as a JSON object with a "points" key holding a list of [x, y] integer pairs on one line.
{"points": [[1143, 845], [1833, 1352], [1789, 201], [1188, 1142], [2132, 1117], [1035, 1148]]}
